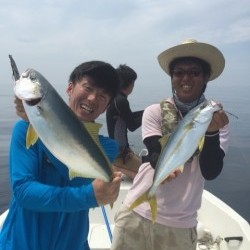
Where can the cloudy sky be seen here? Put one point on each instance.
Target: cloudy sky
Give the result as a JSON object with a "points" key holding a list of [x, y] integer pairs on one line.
{"points": [[54, 36]]}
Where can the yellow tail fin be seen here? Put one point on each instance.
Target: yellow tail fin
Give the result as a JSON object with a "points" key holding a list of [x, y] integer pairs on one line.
{"points": [[152, 202], [31, 137], [201, 143]]}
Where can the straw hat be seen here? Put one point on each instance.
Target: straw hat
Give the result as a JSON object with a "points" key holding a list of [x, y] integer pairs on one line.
{"points": [[193, 48]]}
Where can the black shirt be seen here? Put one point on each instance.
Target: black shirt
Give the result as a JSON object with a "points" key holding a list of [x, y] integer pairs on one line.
{"points": [[120, 119]]}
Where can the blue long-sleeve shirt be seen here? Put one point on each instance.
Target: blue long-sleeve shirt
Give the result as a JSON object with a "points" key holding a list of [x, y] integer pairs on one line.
{"points": [[47, 209]]}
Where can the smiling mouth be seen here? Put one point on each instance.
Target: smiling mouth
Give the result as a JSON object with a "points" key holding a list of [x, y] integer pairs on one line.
{"points": [[86, 108], [186, 87]]}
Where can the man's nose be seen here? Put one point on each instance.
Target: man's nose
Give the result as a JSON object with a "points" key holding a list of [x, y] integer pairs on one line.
{"points": [[92, 96], [186, 75]]}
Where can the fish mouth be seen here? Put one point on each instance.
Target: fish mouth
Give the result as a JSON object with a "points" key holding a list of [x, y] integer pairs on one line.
{"points": [[33, 102]]}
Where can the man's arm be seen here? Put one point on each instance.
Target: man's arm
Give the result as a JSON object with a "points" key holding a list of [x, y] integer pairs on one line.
{"points": [[133, 120], [211, 156], [154, 149]]}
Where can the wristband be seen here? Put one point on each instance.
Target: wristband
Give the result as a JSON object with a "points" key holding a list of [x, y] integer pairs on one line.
{"points": [[212, 134]]}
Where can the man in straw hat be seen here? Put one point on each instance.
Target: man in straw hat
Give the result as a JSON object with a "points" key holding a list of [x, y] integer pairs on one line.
{"points": [[191, 65]]}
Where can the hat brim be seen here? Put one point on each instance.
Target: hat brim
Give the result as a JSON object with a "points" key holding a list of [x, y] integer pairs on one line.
{"points": [[203, 51]]}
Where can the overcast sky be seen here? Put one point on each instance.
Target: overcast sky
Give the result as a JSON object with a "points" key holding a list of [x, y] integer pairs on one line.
{"points": [[54, 36]]}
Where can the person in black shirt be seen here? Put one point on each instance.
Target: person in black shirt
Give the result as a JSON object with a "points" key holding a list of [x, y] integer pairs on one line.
{"points": [[120, 119]]}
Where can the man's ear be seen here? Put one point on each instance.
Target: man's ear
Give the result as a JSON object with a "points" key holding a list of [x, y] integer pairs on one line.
{"points": [[69, 88]]}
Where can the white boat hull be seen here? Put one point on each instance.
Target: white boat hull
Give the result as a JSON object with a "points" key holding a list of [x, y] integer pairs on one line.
{"points": [[219, 227], [224, 225], [217, 223]]}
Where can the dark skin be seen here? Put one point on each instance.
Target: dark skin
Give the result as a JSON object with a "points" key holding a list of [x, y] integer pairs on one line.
{"points": [[189, 88]]}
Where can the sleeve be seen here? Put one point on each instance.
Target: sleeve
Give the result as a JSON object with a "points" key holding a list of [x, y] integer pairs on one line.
{"points": [[110, 147], [151, 133], [154, 149], [213, 153], [133, 120], [30, 192], [152, 121]]}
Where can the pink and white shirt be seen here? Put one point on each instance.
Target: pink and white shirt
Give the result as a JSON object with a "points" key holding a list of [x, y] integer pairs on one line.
{"points": [[179, 199]]}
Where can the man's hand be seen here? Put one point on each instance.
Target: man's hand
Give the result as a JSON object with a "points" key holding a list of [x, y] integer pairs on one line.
{"points": [[172, 176], [131, 174], [107, 192], [20, 109], [219, 120]]}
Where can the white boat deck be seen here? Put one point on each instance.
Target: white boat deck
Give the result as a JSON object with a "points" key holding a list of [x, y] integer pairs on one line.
{"points": [[219, 227], [217, 224]]}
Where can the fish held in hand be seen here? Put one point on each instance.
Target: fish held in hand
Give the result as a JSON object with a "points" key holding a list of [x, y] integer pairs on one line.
{"points": [[181, 145], [59, 129]]}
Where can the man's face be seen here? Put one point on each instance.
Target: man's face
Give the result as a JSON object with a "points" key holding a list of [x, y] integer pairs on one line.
{"points": [[188, 80], [87, 100]]}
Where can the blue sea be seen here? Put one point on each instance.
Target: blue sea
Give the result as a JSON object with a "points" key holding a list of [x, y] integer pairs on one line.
{"points": [[233, 184]]}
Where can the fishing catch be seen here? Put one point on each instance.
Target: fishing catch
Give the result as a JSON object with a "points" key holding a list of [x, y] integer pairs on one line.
{"points": [[59, 129], [181, 145]]}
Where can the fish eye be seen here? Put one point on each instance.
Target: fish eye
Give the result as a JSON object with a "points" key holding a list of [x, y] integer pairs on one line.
{"points": [[202, 106], [34, 102], [33, 77]]}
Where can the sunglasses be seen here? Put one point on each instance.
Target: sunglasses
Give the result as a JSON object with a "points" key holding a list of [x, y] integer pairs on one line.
{"points": [[180, 73]]}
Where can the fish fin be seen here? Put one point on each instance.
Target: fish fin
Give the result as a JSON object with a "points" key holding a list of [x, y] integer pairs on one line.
{"points": [[163, 141], [153, 206], [152, 202], [189, 126], [31, 136], [111, 205], [201, 143], [144, 197], [73, 175], [181, 168]]}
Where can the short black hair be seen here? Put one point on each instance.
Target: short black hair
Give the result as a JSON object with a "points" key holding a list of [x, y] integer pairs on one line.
{"points": [[104, 75], [204, 65], [126, 75]]}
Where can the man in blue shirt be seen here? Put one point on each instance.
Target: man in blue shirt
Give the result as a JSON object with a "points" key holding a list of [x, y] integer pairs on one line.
{"points": [[47, 209]]}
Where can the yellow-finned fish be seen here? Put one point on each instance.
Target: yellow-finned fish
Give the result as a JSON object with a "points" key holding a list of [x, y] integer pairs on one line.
{"points": [[59, 128], [181, 145]]}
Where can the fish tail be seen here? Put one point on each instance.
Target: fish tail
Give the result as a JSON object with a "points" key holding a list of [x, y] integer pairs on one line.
{"points": [[31, 136], [152, 202]]}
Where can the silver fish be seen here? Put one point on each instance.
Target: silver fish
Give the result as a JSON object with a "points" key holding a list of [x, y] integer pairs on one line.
{"points": [[59, 128], [180, 147]]}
